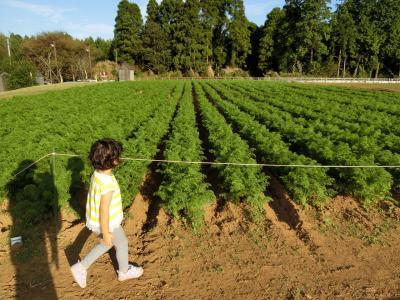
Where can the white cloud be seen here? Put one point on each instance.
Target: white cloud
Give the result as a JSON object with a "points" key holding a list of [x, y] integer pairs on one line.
{"points": [[21, 21], [55, 14], [93, 29]]}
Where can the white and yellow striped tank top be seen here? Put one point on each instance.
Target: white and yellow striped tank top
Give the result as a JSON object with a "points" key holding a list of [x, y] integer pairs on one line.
{"points": [[101, 184]]}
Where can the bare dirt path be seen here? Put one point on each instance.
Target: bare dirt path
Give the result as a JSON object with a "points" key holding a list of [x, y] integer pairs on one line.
{"points": [[38, 89], [339, 252]]}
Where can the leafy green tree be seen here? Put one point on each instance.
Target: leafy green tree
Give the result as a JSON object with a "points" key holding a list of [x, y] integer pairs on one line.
{"points": [[344, 34], [252, 59], [22, 73], [269, 42], [238, 42], [57, 54], [15, 42], [370, 37], [207, 16], [313, 32], [156, 53], [304, 33], [128, 25], [3, 47], [95, 50], [103, 48], [187, 39], [194, 55], [214, 18], [289, 37], [170, 14], [389, 21]]}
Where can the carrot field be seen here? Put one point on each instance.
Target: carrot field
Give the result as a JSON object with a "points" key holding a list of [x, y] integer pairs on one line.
{"points": [[310, 134]]}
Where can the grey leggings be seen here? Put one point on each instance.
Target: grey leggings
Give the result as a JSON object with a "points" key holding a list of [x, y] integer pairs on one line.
{"points": [[120, 242]]}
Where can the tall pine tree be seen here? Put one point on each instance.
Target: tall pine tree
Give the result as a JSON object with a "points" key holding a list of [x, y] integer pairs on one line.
{"points": [[128, 25], [344, 33], [390, 23], [156, 52], [239, 46], [270, 41], [196, 52], [171, 16], [214, 18], [306, 32], [186, 35], [252, 59]]}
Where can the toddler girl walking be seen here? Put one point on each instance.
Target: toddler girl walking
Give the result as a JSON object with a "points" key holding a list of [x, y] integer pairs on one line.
{"points": [[104, 213]]}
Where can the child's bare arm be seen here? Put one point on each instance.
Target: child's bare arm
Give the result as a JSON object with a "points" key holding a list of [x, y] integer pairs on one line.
{"points": [[105, 201]]}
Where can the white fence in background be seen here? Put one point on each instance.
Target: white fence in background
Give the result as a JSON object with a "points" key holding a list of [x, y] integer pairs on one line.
{"points": [[290, 79]]}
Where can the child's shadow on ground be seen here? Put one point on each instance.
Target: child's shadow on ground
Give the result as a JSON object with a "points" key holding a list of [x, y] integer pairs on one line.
{"points": [[34, 209], [77, 202]]}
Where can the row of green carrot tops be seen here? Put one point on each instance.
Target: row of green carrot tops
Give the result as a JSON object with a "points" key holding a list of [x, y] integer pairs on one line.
{"points": [[233, 122]]}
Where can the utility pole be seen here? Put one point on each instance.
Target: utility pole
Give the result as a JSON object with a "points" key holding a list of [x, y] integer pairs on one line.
{"points": [[53, 45], [90, 62], [50, 76], [8, 49], [116, 63]]}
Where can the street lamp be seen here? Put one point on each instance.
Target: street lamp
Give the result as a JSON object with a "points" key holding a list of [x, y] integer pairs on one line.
{"points": [[53, 45], [50, 76], [90, 62], [8, 50]]}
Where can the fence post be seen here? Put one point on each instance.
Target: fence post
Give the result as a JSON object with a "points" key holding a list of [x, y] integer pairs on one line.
{"points": [[53, 175]]}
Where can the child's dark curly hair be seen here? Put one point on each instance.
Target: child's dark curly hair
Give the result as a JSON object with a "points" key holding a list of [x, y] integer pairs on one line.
{"points": [[105, 154]]}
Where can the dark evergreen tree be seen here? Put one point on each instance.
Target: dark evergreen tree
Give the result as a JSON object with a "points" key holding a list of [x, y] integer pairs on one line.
{"points": [[314, 32], [100, 49], [289, 38], [194, 55], [389, 21], [128, 25], [214, 17], [300, 35], [239, 46], [187, 39], [369, 39], [156, 52], [271, 42], [171, 14], [252, 59], [344, 34], [103, 48]]}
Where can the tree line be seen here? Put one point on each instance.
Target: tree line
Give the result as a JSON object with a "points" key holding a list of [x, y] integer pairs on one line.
{"points": [[361, 38]]}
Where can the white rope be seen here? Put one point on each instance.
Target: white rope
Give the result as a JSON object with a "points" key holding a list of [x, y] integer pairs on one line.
{"points": [[238, 164], [34, 163], [212, 163]]}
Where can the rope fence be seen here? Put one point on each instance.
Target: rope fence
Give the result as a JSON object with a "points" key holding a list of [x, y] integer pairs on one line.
{"points": [[54, 154]]}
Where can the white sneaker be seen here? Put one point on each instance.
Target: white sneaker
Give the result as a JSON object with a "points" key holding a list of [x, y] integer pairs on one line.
{"points": [[132, 273], [79, 273]]}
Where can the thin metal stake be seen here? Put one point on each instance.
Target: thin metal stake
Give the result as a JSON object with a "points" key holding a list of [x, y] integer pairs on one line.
{"points": [[53, 171]]}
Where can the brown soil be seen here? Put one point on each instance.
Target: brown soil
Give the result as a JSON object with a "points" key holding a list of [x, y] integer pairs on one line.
{"points": [[341, 251], [33, 90]]}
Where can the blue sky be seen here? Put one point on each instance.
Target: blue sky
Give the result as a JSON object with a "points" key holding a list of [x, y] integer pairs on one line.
{"points": [[83, 18]]}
